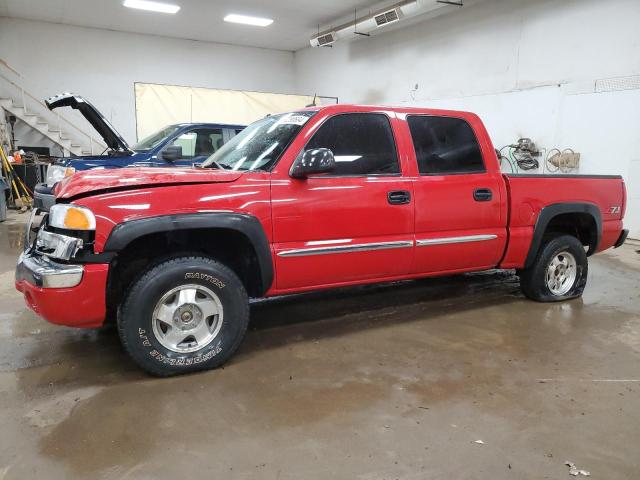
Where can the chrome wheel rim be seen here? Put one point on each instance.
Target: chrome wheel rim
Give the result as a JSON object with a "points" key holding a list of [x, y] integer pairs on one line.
{"points": [[187, 318], [561, 273]]}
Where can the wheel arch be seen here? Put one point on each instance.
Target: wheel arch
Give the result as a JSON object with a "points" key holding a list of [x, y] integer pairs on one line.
{"points": [[236, 225], [580, 219]]}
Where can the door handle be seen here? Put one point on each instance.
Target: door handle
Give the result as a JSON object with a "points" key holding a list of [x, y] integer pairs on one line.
{"points": [[398, 197], [482, 194]]}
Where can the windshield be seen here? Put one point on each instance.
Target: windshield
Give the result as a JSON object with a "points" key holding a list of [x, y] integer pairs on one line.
{"points": [[259, 146], [152, 140]]}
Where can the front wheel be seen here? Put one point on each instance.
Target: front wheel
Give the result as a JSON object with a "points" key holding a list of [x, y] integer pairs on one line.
{"points": [[559, 271], [183, 315]]}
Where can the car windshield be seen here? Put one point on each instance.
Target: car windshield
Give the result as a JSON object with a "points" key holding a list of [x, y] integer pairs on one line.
{"points": [[259, 146], [154, 139]]}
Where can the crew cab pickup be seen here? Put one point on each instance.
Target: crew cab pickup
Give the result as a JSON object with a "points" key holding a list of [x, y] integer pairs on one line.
{"points": [[178, 145], [313, 199]]}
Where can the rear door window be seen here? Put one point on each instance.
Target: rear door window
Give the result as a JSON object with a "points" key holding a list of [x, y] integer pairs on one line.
{"points": [[445, 145]]}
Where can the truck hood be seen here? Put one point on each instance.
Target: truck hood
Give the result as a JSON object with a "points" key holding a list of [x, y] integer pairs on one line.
{"points": [[100, 181], [109, 134]]}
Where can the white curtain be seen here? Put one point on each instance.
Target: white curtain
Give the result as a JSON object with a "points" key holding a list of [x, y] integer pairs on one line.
{"points": [[160, 105]]}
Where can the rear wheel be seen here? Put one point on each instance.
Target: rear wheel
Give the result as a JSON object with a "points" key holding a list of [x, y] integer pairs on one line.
{"points": [[559, 271], [185, 314]]}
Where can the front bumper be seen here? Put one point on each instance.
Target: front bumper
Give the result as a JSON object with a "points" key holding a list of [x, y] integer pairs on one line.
{"points": [[71, 295], [61, 293], [43, 197], [44, 273]]}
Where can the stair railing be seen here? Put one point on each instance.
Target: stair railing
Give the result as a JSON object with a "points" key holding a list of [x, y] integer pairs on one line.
{"points": [[24, 94]]}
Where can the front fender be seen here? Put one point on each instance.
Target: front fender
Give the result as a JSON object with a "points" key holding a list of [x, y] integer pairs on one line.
{"points": [[124, 233]]}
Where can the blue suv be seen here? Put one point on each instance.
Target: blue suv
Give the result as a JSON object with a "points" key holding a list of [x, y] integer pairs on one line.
{"points": [[179, 145]]}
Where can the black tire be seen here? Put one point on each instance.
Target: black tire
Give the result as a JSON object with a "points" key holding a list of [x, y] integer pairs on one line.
{"points": [[533, 280], [135, 322]]}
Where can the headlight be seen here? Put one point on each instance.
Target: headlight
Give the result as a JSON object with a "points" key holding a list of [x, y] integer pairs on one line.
{"points": [[55, 173], [71, 217]]}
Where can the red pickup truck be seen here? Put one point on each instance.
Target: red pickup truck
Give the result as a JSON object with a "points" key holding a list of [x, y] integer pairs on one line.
{"points": [[318, 198]]}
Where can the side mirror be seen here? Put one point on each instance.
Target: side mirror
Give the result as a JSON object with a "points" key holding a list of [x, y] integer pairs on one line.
{"points": [[318, 160], [171, 153]]}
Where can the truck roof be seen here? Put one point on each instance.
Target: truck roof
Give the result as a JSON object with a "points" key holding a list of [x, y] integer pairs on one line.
{"points": [[207, 125], [346, 107]]}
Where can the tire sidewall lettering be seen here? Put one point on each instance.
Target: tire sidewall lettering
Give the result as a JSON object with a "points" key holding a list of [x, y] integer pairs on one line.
{"points": [[205, 277], [178, 360]]}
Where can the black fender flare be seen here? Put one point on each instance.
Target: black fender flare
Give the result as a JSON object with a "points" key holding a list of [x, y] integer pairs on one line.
{"points": [[248, 225], [549, 212]]}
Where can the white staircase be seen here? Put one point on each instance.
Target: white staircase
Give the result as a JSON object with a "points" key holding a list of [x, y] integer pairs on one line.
{"points": [[18, 101]]}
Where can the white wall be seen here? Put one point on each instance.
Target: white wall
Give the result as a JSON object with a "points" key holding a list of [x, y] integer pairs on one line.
{"points": [[527, 67], [103, 65]]}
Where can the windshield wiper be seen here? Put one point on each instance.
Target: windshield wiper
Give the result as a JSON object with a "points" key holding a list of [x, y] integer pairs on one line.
{"points": [[212, 164]]}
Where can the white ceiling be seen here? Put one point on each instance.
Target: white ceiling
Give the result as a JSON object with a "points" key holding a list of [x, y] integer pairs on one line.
{"points": [[294, 20]]}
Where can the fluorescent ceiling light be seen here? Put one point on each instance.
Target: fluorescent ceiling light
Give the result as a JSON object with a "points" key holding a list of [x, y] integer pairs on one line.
{"points": [[246, 20], [151, 6]]}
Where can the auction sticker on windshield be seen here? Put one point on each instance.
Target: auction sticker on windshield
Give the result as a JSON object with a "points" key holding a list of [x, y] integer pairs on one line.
{"points": [[293, 119]]}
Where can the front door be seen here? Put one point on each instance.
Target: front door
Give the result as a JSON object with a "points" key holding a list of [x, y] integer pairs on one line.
{"points": [[353, 224], [460, 220]]}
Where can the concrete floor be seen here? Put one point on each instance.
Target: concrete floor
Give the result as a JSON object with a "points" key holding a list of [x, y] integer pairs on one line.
{"points": [[394, 381]]}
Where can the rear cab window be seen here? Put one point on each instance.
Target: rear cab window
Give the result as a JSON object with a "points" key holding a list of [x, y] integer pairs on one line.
{"points": [[445, 145], [362, 144]]}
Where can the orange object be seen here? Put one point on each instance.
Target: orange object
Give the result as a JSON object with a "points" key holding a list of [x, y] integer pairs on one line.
{"points": [[76, 219]]}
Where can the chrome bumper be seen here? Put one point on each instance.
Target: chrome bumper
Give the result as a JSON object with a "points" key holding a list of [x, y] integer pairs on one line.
{"points": [[45, 273], [41, 271]]}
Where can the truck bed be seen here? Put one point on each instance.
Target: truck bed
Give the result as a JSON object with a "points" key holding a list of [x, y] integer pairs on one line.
{"points": [[530, 194]]}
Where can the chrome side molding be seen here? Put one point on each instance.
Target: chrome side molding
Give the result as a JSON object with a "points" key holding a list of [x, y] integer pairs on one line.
{"points": [[445, 240], [360, 247], [364, 247]]}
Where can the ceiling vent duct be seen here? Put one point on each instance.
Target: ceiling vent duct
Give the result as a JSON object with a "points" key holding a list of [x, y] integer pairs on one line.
{"points": [[323, 40], [373, 21], [385, 18]]}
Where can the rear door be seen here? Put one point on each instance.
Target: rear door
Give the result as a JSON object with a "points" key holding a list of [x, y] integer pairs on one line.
{"points": [[459, 222], [351, 225]]}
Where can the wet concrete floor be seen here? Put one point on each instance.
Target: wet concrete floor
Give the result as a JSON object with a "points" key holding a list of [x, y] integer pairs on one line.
{"points": [[385, 382]]}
